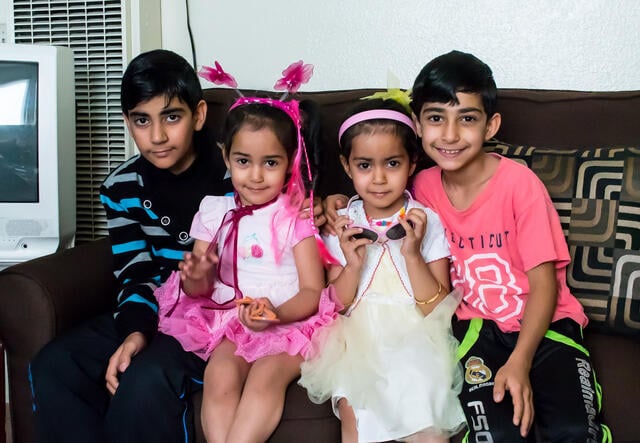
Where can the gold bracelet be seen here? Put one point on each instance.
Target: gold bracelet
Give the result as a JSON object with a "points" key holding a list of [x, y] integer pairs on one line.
{"points": [[432, 299]]}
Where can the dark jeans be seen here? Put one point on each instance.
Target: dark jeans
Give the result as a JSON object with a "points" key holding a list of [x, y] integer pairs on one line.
{"points": [[72, 404]]}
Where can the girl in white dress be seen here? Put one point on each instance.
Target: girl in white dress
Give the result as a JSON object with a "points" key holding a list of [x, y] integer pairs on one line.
{"points": [[388, 363]]}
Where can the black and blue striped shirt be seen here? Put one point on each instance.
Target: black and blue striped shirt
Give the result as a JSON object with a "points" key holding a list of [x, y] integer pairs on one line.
{"points": [[149, 213]]}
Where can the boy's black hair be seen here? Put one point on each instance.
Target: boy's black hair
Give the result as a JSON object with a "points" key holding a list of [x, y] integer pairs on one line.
{"points": [[159, 73], [454, 72], [408, 137]]}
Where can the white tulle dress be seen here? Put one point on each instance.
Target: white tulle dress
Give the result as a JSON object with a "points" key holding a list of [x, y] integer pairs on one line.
{"points": [[396, 367]]}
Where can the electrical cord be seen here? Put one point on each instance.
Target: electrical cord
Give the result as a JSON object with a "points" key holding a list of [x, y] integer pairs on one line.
{"points": [[193, 46]]}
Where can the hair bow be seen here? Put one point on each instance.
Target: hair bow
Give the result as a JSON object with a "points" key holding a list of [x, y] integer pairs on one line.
{"points": [[217, 75], [293, 76], [393, 92]]}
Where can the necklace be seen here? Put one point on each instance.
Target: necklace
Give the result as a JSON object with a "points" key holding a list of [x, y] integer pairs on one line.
{"points": [[383, 222]]}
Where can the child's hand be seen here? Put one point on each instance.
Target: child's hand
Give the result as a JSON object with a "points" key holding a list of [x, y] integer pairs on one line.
{"points": [[514, 377], [331, 204], [319, 218], [198, 267], [354, 249], [121, 359], [415, 224], [256, 314]]}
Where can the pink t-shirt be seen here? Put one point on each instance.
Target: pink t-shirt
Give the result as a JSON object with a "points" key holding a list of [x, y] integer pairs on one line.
{"points": [[510, 228]]}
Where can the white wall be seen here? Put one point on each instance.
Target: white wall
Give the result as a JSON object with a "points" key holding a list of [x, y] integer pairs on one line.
{"points": [[7, 31], [548, 44]]}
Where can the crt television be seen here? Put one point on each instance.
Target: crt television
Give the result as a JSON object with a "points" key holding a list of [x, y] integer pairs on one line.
{"points": [[37, 151]]}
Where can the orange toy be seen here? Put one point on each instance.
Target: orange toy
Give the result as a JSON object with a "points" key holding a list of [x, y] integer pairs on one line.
{"points": [[258, 310]]}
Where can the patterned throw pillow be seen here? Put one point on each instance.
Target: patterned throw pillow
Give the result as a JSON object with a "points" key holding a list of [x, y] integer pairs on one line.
{"points": [[597, 195], [521, 154]]}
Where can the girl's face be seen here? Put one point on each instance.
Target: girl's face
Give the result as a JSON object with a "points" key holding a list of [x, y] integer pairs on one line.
{"points": [[258, 164], [380, 168]]}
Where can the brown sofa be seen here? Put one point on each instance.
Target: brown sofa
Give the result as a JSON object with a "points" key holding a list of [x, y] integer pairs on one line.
{"points": [[45, 297]]}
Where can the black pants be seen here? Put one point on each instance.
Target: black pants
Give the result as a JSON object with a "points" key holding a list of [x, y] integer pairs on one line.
{"points": [[566, 395], [72, 404]]}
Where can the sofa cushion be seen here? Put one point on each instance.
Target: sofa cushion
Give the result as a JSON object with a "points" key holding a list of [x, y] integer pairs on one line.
{"points": [[597, 195]]}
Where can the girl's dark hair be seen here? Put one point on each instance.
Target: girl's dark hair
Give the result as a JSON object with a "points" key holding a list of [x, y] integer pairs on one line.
{"points": [[406, 134], [159, 73], [258, 116], [312, 134]]}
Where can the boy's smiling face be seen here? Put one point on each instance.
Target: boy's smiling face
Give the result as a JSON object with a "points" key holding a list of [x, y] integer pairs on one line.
{"points": [[452, 134], [163, 132]]}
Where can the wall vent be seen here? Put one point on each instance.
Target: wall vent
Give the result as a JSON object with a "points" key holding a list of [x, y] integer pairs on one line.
{"points": [[94, 30]]}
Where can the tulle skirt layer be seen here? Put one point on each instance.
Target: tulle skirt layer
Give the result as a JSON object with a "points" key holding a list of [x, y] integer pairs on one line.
{"points": [[199, 329], [396, 368]]}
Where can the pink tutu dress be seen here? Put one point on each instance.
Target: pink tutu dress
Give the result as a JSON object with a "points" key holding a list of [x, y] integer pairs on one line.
{"points": [[200, 327]]}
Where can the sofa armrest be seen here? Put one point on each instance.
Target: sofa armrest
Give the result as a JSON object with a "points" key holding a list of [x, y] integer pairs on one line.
{"points": [[41, 298]]}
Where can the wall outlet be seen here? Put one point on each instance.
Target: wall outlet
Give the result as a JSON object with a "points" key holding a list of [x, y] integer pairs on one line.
{"points": [[3, 33]]}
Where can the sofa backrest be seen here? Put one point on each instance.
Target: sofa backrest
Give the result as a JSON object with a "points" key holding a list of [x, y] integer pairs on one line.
{"points": [[581, 145], [541, 118], [569, 119]]}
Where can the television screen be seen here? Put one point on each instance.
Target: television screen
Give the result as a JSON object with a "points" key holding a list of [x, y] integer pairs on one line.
{"points": [[37, 151], [18, 132]]}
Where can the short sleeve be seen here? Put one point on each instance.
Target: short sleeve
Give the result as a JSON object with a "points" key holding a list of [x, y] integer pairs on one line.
{"points": [[302, 229], [434, 245], [209, 216], [537, 218]]}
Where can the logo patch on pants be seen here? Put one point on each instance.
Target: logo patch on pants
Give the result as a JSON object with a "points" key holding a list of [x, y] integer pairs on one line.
{"points": [[476, 371]]}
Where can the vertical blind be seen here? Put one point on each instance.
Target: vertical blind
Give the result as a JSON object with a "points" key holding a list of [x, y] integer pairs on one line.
{"points": [[94, 30]]}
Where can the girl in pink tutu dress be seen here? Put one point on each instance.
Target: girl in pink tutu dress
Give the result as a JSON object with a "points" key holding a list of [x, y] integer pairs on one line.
{"points": [[253, 247]]}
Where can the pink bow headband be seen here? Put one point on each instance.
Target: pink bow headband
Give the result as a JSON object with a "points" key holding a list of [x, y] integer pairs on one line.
{"points": [[374, 114], [290, 108], [295, 75]]}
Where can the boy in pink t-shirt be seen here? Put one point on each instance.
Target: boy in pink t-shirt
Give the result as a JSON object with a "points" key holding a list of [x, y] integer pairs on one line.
{"points": [[520, 327]]}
